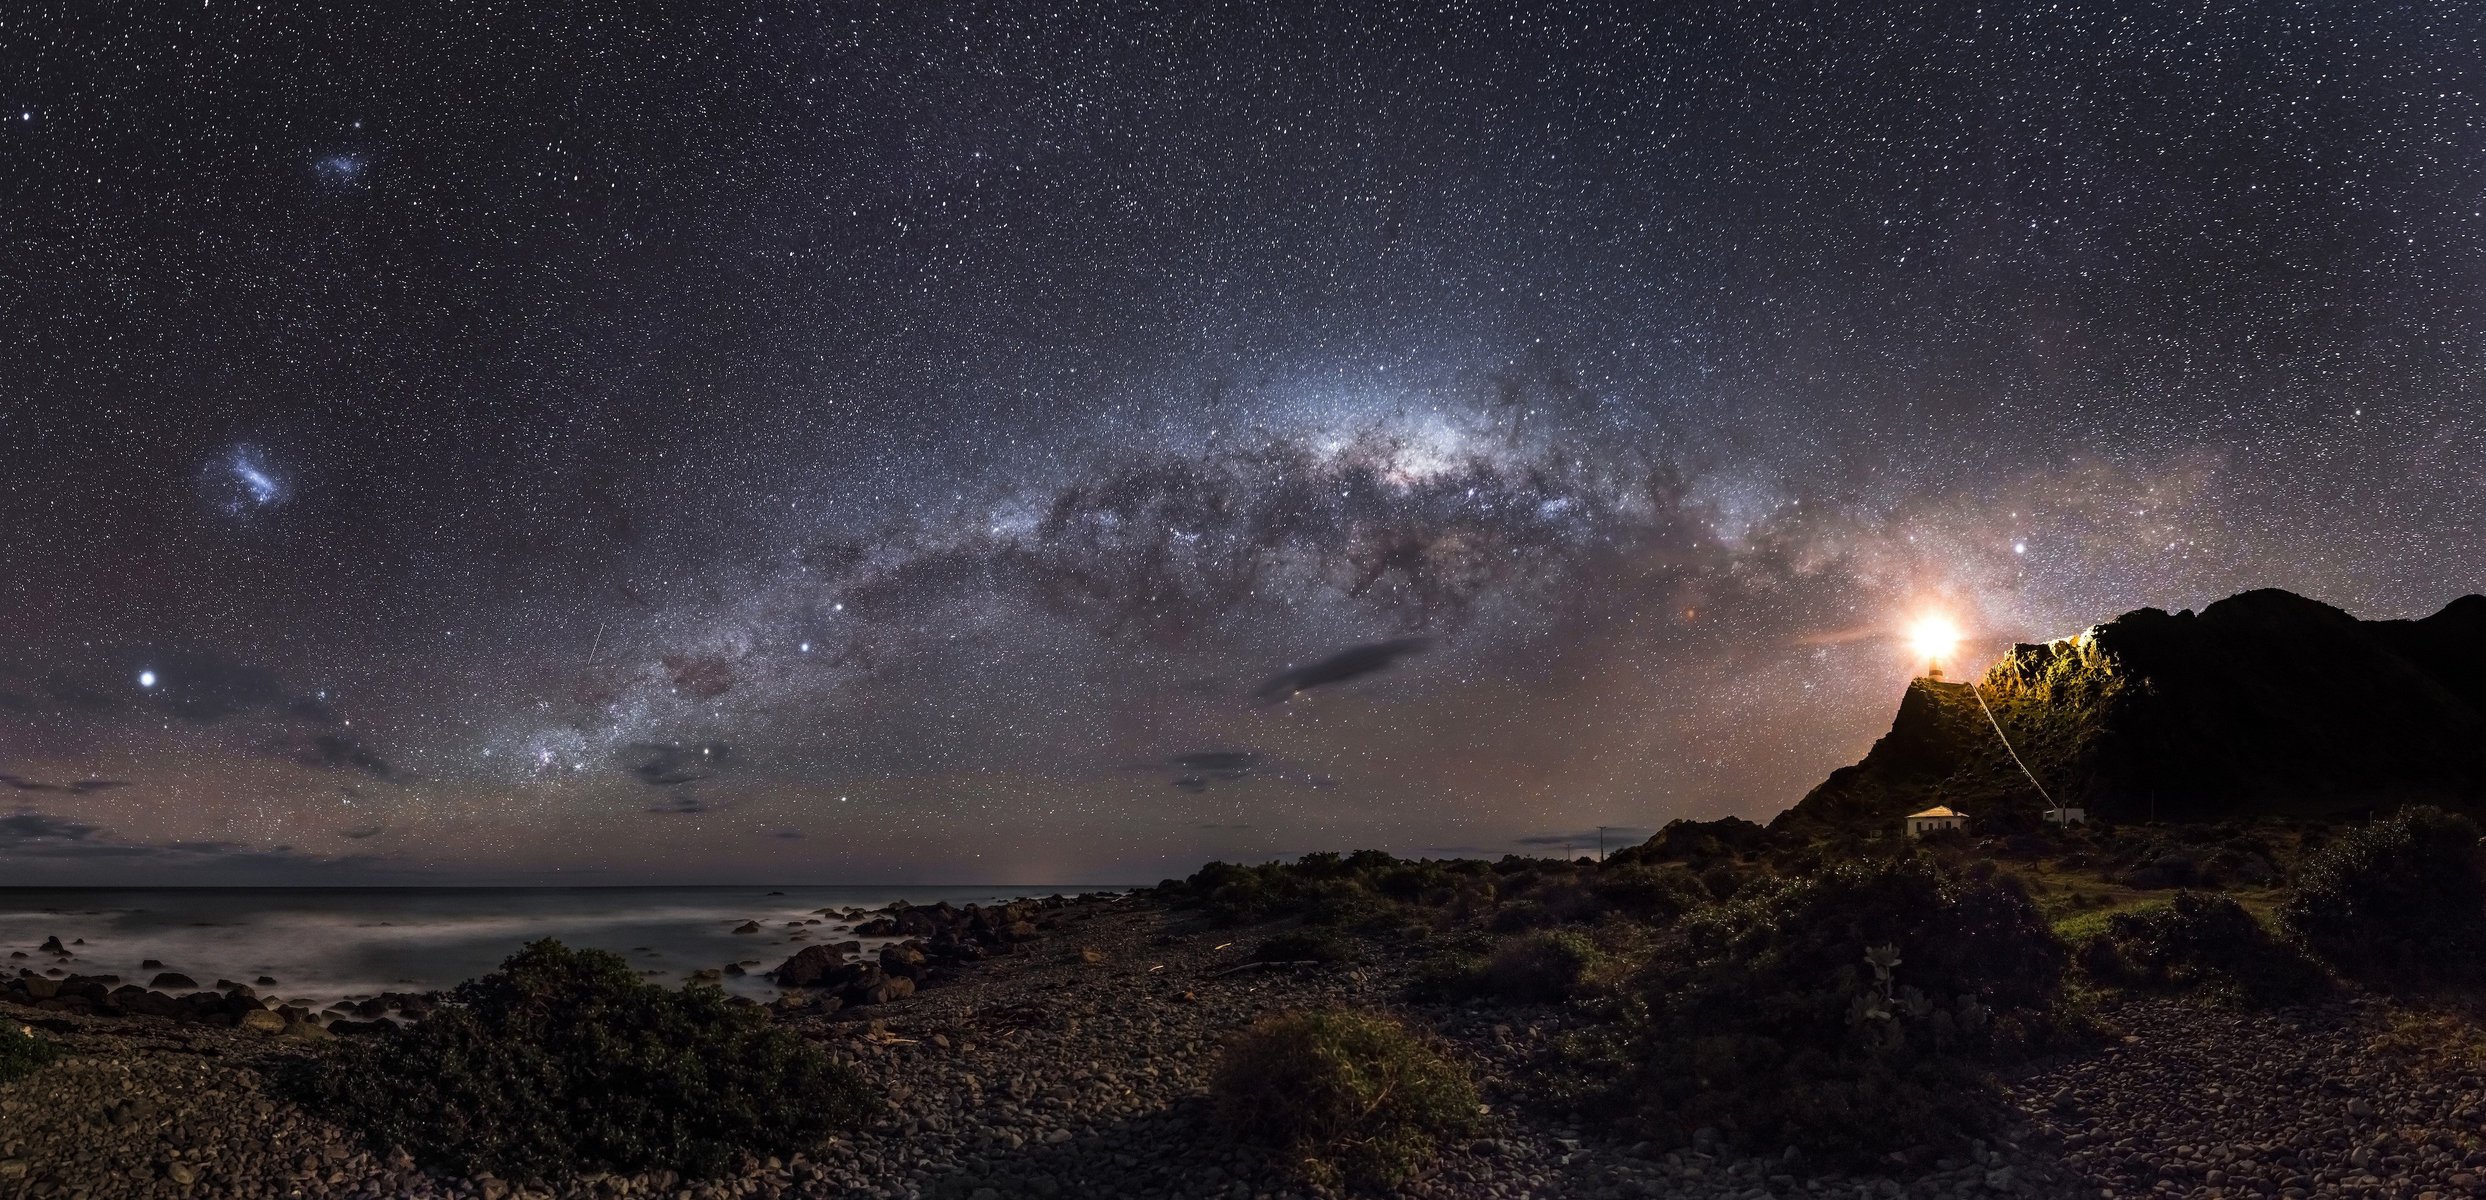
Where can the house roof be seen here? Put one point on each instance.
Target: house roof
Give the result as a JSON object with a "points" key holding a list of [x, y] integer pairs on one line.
{"points": [[1937, 811]]}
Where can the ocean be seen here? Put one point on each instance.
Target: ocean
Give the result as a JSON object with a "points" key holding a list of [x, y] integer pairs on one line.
{"points": [[326, 944]]}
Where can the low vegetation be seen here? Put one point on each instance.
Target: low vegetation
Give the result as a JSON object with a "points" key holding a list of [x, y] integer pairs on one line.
{"points": [[1350, 1098], [1852, 992], [1847, 1012], [565, 1061], [2204, 941], [1540, 967], [22, 1050], [2399, 901]]}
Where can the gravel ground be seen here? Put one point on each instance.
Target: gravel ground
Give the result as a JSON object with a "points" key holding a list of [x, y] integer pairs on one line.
{"points": [[2312, 1102], [1076, 1067]]}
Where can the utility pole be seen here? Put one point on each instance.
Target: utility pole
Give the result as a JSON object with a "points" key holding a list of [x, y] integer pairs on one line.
{"points": [[1601, 842]]}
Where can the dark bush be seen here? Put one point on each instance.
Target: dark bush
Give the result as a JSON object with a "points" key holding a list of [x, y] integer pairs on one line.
{"points": [[22, 1052], [1725, 879], [1657, 894], [2200, 941], [2401, 900], [1519, 916], [1544, 967], [1845, 1013], [565, 1061], [1414, 882], [1349, 1097], [1538, 968]]}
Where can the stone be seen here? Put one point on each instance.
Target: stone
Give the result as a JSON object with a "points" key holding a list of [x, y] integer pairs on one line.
{"points": [[172, 979], [260, 1020], [902, 959], [811, 966], [747, 927]]}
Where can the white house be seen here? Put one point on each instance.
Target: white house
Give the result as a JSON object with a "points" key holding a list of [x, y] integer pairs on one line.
{"points": [[1935, 818]]}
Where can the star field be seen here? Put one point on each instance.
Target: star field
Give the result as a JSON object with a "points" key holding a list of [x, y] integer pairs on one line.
{"points": [[904, 441]]}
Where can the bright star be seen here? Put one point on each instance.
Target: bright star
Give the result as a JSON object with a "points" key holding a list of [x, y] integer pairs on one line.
{"points": [[146, 679]]}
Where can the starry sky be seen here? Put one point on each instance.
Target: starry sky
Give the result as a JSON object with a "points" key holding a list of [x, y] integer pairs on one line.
{"points": [[953, 442]]}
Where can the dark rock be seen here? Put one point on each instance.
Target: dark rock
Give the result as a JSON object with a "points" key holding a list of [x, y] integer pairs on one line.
{"points": [[172, 979], [132, 1000], [151, 964], [902, 959], [808, 967], [52, 945], [747, 927]]}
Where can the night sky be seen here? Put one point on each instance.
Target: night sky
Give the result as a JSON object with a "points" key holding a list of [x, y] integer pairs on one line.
{"points": [[923, 441]]}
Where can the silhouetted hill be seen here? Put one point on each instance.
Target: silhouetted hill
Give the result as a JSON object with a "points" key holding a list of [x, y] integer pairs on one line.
{"points": [[2263, 703]]}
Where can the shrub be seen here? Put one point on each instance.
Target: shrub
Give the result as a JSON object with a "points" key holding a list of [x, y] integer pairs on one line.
{"points": [[2401, 900], [2200, 940], [22, 1052], [1520, 915], [1539, 968], [1543, 967], [1658, 894], [1726, 879], [565, 1061], [1350, 1097], [1845, 1012]]}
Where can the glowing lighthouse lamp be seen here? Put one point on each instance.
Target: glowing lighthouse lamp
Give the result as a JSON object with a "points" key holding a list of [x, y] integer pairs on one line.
{"points": [[1934, 638]]}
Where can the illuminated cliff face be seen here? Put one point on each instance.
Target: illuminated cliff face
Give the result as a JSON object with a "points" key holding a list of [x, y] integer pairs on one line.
{"points": [[2264, 703]]}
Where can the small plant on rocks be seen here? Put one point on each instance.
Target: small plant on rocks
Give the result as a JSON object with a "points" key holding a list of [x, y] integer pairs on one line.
{"points": [[22, 1051], [565, 1061], [1352, 1098]]}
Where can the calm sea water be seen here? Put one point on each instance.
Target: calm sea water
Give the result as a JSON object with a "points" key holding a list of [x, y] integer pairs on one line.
{"points": [[322, 944]]}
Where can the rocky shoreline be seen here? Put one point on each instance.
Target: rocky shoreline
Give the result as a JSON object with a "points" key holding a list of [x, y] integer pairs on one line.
{"points": [[1064, 1051]]}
